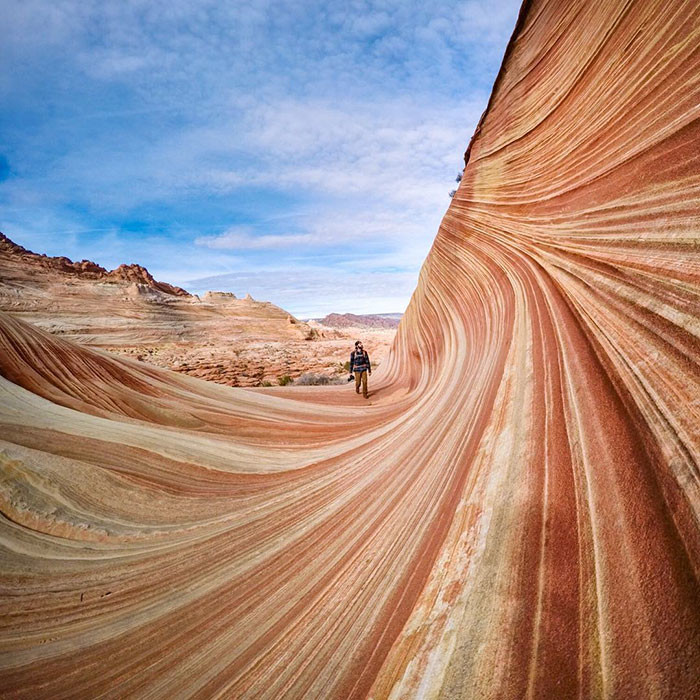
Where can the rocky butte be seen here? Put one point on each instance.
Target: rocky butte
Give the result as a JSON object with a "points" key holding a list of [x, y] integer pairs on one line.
{"points": [[515, 516]]}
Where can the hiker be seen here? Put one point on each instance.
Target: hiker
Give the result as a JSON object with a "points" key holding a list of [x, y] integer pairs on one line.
{"points": [[360, 365]]}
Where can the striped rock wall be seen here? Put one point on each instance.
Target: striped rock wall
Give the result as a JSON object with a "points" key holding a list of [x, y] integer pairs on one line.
{"points": [[514, 513]]}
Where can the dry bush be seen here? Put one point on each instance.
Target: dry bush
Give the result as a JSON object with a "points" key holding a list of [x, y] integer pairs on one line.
{"points": [[311, 379]]}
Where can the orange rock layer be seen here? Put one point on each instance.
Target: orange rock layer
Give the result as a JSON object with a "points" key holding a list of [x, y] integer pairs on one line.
{"points": [[516, 512]]}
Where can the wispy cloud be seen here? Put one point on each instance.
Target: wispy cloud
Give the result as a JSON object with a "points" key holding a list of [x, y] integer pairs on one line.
{"points": [[227, 134], [309, 292], [242, 239]]}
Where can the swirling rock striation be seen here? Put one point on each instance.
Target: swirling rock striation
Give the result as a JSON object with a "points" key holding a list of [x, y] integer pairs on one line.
{"points": [[515, 515]]}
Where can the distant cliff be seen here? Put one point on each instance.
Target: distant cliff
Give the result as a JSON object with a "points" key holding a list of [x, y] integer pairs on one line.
{"points": [[85, 269], [361, 320]]}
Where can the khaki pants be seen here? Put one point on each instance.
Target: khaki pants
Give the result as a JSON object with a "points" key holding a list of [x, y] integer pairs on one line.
{"points": [[361, 377]]}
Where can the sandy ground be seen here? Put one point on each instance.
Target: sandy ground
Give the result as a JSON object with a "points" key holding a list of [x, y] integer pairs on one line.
{"points": [[250, 362]]}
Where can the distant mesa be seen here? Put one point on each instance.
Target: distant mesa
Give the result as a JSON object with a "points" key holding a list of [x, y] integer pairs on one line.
{"points": [[361, 320]]}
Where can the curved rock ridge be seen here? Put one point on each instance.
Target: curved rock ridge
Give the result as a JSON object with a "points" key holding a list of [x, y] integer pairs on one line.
{"points": [[513, 514]]}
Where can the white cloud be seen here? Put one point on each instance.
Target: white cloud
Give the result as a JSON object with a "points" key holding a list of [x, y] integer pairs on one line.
{"points": [[241, 238], [333, 129]]}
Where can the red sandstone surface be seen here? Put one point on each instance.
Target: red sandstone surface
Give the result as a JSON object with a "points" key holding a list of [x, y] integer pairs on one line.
{"points": [[516, 513]]}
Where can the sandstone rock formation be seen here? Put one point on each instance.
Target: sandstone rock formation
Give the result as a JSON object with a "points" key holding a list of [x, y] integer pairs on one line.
{"points": [[14, 258], [239, 342], [514, 516]]}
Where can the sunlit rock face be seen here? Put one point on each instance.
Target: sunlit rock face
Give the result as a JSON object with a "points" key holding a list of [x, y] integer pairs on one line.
{"points": [[238, 342], [514, 511]]}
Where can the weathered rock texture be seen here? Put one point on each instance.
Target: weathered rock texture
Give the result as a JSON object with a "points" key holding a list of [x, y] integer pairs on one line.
{"points": [[18, 258], [238, 342], [516, 515]]}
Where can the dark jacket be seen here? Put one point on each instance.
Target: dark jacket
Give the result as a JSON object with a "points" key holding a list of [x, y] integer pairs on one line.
{"points": [[359, 361]]}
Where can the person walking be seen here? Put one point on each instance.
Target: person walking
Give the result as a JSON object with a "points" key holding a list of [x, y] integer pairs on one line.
{"points": [[360, 366]]}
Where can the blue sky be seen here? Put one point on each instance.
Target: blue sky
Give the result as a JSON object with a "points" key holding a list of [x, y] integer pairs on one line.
{"points": [[300, 151]]}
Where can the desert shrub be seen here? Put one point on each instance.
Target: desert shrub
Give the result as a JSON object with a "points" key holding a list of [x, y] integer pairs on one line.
{"points": [[284, 380], [311, 379], [346, 366], [266, 383]]}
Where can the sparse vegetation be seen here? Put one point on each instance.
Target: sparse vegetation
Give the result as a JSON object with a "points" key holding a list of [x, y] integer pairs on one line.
{"points": [[284, 379], [311, 379], [266, 383]]}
